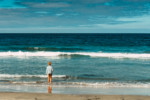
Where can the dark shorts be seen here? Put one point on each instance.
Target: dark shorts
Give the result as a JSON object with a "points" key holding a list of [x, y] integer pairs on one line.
{"points": [[50, 74]]}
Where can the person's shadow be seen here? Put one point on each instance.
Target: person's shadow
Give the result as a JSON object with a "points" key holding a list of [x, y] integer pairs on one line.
{"points": [[50, 89]]}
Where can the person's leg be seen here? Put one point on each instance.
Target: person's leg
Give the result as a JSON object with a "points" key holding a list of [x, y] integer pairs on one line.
{"points": [[48, 78]]}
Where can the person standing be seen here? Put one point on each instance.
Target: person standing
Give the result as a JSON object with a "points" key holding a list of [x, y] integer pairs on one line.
{"points": [[49, 72]]}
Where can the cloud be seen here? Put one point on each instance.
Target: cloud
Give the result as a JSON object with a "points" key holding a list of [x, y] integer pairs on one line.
{"points": [[134, 23], [9, 4], [60, 14], [71, 30], [92, 14], [46, 5]]}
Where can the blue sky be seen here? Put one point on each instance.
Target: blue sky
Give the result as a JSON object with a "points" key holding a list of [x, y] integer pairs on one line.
{"points": [[74, 16]]}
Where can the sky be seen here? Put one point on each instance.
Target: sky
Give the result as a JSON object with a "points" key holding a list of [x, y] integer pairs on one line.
{"points": [[74, 16]]}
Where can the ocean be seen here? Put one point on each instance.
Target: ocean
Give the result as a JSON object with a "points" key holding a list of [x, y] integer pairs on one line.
{"points": [[78, 60]]}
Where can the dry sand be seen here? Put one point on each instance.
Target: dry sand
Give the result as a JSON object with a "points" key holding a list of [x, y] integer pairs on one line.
{"points": [[46, 96]]}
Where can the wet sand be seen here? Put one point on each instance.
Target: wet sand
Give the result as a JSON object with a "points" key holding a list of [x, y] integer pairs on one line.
{"points": [[47, 96]]}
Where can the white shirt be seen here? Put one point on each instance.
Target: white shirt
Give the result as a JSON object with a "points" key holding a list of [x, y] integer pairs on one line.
{"points": [[49, 70]]}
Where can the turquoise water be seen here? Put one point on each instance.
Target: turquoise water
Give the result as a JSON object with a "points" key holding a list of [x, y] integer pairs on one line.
{"points": [[92, 60]]}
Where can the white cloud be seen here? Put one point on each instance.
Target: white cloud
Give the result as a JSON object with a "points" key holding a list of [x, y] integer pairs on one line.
{"points": [[60, 14], [42, 12], [9, 4], [48, 5], [134, 23], [62, 29]]}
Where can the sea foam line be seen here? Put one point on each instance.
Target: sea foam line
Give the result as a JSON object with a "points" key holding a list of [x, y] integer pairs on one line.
{"points": [[107, 84], [69, 54], [84, 84], [73, 84], [29, 76]]}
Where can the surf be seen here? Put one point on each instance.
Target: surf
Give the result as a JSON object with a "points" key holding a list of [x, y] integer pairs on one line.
{"points": [[29, 76], [75, 54]]}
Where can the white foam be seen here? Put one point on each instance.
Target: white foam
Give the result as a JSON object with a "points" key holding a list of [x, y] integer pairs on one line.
{"points": [[20, 53], [117, 84], [29, 76], [77, 84], [85, 84], [91, 54], [102, 84]]}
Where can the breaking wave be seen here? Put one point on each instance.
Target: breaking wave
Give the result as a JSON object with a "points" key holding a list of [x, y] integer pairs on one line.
{"points": [[4, 78], [83, 84], [44, 49], [76, 54], [30, 76]]}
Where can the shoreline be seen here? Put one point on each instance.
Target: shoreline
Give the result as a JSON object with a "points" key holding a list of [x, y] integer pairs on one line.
{"points": [[47, 96], [56, 89]]}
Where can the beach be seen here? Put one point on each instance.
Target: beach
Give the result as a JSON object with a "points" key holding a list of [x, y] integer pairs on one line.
{"points": [[74, 50], [85, 65], [46, 96]]}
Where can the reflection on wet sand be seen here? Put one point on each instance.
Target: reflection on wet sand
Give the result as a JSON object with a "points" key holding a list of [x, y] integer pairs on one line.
{"points": [[50, 89]]}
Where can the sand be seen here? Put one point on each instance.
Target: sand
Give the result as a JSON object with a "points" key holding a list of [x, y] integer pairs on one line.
{"points": [[46, 96]]}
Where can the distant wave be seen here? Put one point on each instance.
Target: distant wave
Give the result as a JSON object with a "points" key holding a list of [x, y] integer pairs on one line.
{"points": [[147, 52], [76, 54], [45, 48]]}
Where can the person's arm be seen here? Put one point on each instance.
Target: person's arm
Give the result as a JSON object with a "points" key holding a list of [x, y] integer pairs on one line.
{"points": [[52, 69]]}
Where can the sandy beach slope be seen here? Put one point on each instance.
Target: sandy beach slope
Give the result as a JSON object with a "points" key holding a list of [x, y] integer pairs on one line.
{"points": [[46, 96]]}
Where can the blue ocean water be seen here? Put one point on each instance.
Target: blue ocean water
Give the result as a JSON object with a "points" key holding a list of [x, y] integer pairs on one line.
{"points": [[101, 60]]}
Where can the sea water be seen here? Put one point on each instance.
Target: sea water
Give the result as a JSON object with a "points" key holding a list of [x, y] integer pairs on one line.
{"points": [[78, 60]]}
